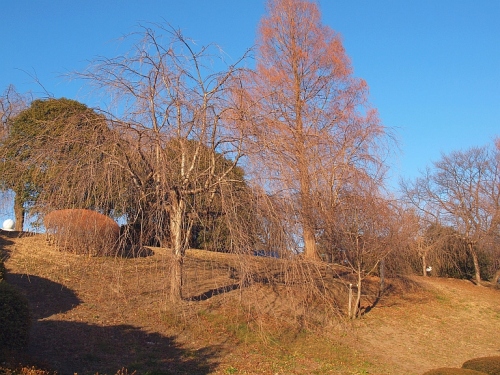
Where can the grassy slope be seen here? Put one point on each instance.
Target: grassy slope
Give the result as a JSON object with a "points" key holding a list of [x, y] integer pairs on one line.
{"points": [[97, 314]]}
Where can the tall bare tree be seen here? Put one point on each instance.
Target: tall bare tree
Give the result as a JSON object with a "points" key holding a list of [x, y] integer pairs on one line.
{"points": [[313, 129], [461, 191], [173, 110]]}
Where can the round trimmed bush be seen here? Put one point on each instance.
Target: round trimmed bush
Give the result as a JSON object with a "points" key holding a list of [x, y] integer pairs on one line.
{"points": [[488, 365], [453, 371], [14, 318]]}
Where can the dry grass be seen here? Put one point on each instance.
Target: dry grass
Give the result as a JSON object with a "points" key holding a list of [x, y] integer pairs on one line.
{"points": [[242, 315]]}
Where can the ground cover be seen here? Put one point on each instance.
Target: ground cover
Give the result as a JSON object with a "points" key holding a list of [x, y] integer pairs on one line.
{"points": [[104, 314]]}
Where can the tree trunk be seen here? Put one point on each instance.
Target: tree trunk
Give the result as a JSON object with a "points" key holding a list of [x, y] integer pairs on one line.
{"points": [[349, 311], [19, 213], [310, 251], [177, 213], [475, 260], [496, 278], [424, 265], [382, 277], [357, 305], [308, 233]]}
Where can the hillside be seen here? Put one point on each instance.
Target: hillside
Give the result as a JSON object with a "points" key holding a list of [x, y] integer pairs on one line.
{"points": [[101, 314]]}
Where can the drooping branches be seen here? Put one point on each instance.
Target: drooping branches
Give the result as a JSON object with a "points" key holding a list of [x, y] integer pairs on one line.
{"points": [[461, 191], [312, 126], [179, 135]]}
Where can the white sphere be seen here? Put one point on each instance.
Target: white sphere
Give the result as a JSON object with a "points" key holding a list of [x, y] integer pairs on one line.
{"points": [[8, 225]]}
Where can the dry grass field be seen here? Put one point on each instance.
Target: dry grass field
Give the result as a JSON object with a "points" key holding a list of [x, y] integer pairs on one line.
{"points": [[105, 314]]}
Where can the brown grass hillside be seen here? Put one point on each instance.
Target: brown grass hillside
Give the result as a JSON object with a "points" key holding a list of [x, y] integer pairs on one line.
{"points": [[103, 314]]}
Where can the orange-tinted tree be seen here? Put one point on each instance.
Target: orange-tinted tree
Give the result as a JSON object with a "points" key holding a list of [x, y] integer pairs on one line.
{"points": [[312, 127]]}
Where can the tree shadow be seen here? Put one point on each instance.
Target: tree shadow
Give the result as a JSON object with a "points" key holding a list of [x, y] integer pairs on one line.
{"points": [[366, 309], [394, 286], [135, 252], [6, 242], [213, 292], [45, 297], [243, 280], [70, 347], [73, 347]]}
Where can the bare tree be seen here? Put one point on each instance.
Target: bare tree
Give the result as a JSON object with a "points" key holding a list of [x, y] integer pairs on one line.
{"points": [[312, 127], [420, 245], [11, 104], [448, 252], [173, 110], [462, 192], [363, 231], [409, 253]]}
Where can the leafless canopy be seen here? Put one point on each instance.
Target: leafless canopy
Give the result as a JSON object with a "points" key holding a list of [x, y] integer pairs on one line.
{"points": [[176, 123], [462, 191]]}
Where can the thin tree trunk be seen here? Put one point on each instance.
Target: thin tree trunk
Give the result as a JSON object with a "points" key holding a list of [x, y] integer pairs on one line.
{"points": [[424, 265], [19, 213], [178, 248], [349, 311], [382, 277], [477, 270], [496, 278], [357, 305]]}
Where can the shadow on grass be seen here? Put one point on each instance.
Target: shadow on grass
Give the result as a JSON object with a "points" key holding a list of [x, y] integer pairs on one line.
{"points": [[45, 297], [213, 292], [69, 347], [381, 293], [73, 347], [5, 242]]}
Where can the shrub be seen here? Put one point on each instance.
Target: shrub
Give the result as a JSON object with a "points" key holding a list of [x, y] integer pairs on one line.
{"points": [[82, 231], [453, 371], [488, 365], [14, 318]]}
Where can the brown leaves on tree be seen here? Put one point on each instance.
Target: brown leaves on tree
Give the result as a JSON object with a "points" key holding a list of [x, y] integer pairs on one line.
{"points": [[311, 123]]}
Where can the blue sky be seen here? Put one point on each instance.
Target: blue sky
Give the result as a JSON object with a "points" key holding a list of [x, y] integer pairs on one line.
{"points": [[433, 66]]}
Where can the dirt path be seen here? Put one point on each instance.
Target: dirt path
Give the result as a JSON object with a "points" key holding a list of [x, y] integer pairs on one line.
{"points": [[444, 325]]}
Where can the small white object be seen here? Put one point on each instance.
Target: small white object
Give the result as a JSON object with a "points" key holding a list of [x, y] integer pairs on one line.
{"points": [[8, 225], [429, 269]]}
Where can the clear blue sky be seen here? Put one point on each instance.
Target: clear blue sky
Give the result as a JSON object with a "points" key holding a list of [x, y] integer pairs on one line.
{"points": [[433, 66]]}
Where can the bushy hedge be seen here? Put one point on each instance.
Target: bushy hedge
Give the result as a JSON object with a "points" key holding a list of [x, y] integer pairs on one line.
{"points": [[488, 365], [453, 371], [15, 318]]}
